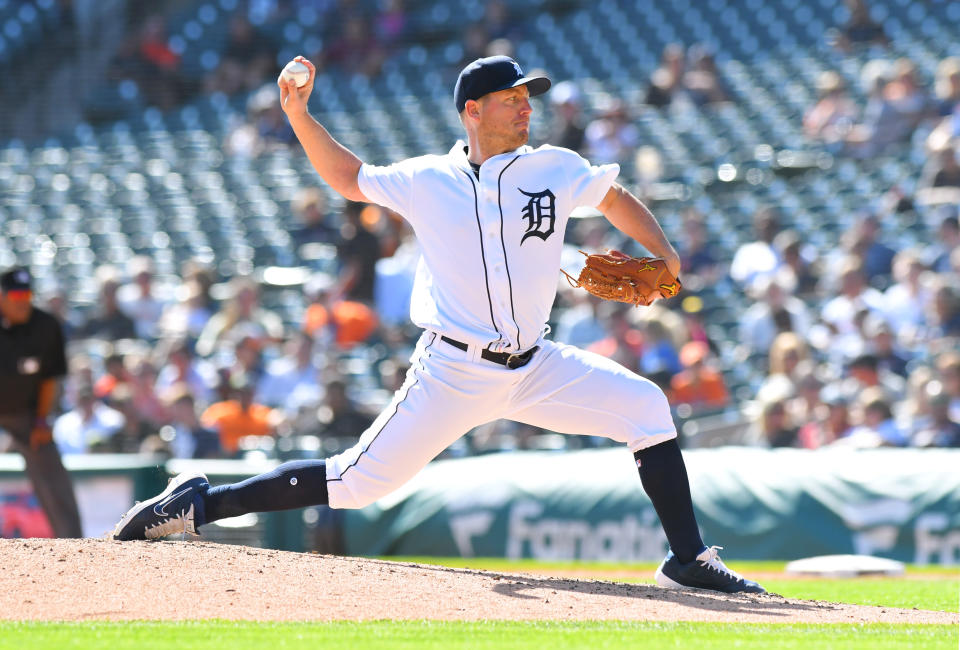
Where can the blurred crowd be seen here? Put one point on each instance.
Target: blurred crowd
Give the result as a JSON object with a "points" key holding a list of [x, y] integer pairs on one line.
{"points": [[196, 365], [857, 345], [349, 36], [861, 342], [860, 345]]}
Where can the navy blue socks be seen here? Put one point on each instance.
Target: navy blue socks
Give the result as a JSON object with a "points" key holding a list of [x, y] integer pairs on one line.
{"points": [[302, 483], [296, 484], [664, 478]]}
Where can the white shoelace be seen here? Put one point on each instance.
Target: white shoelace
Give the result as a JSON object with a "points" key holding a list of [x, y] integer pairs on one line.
{"points": [[179, 523], [715, 563]]}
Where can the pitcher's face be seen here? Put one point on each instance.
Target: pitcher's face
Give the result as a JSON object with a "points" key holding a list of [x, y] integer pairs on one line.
{"points": [[505, 117]]}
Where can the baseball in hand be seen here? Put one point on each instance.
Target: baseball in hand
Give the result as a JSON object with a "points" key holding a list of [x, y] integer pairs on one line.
{"points": [[297, 71]]}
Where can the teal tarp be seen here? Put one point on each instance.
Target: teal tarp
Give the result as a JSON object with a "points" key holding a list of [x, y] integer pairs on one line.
{"points": [[759, 504]]}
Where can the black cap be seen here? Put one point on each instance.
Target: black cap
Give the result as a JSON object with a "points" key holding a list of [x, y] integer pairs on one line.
{"points": [[15, 279], [485, 76], [864, 360]]}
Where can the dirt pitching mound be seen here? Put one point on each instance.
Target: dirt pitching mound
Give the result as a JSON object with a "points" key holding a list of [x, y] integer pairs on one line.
{"points": [[97, 579]]}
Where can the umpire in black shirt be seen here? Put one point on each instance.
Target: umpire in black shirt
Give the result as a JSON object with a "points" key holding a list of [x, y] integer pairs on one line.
{"points": [[32, 358]]}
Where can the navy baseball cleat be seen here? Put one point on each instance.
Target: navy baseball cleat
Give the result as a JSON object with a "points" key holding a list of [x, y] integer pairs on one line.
{"points": [[707, 571], [172, 511]]}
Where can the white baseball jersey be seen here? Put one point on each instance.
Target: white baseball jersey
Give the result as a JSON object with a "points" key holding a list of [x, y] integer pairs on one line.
{"points": [[487, 279], [491, 247]]}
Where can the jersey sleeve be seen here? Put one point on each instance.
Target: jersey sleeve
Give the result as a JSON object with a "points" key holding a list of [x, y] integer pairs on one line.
{"points": [[589, 183], [390, 186]]}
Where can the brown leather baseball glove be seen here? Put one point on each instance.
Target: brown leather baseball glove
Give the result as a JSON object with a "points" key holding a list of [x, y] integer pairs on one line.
{"points": [[616, 276]]}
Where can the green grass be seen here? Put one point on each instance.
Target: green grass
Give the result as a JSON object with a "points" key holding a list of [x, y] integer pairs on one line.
{"points": [[939, 595], [425, 635], [934, 588]]}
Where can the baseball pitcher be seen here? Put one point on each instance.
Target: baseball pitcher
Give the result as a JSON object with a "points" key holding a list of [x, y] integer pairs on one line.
{"points": [[490, 216]]}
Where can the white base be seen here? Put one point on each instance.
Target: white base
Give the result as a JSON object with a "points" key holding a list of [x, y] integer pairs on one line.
{"points": [[845, 566]]}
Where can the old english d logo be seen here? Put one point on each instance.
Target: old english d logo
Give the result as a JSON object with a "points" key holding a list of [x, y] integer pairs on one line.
{"points": [[540, 214]]}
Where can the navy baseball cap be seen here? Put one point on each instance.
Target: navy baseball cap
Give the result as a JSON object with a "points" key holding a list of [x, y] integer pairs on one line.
{"points": [[14, 280], [485, 76]]}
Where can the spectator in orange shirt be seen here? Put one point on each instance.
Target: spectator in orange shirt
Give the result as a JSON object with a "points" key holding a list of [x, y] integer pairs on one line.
{"points": [[238, 417], [348, 321], [698, 385], [115, 373]]}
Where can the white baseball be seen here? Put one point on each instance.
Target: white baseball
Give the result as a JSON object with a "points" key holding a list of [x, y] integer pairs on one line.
{"points": [[297, 71]]}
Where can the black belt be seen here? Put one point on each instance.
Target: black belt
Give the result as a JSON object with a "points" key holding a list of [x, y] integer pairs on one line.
{"points": [[509, 359]]}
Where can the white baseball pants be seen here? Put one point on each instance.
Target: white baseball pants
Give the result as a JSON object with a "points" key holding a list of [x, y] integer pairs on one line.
{"points": [[449, 391]]}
